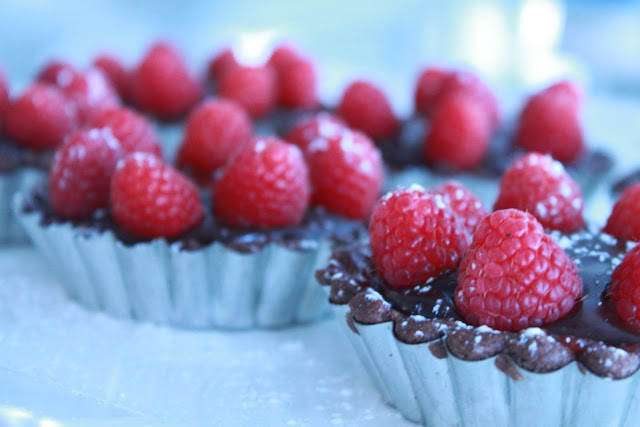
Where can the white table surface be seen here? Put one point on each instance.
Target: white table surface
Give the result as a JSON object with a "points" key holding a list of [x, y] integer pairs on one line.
{"points": [[63, 365]]}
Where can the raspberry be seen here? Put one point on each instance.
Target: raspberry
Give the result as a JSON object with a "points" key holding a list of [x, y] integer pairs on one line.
{"points": [[514, 275], [624, 288], [428, 89], [254, 88], [366, 108], [264, 185], [346, 173], [57, 73], [134, 132], [459, 134], [92, 94], [162, 85], [81, 173], [468, 207], [282, 55], [214, 131], [222, 61], [115, 72], [624, 221], [150, 199], [415, 236], [40, 118], [297, 84], [322, 125], [4, 98], [550, 123], [468, 85], [538, 184]]}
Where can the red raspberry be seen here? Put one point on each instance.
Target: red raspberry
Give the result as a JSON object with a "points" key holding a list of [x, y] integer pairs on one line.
{"points": [[264, 185], [150, 199], [134, 132], [346, 173], [624, 221], [282, 55], [222, 61], [57, 73], [459, 134], [322, 125], [538, 184], [115, 72], [4, 98], [468, 207], [254, 88], [214, 131], [550, 123], [366, 108], [81, 173], [514, 275], [415, 236], [467, 84], [625, 288], [40, 118], [92, 94], [297, 84], [162, 85], [428, 88]]}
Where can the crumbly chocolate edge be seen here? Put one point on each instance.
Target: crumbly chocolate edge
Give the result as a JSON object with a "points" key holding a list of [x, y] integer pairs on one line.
{"points": [[531, 349]]}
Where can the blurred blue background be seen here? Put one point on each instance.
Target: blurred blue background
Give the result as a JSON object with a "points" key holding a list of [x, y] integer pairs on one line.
{"points": [[517, 45]]}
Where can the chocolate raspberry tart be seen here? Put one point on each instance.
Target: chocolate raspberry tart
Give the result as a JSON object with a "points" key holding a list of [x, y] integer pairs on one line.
{"points": [[530, 326]]}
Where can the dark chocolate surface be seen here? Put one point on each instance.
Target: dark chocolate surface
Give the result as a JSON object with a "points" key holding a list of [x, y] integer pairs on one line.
{"points": [[13, 157], [591, 333], [317, 224]]}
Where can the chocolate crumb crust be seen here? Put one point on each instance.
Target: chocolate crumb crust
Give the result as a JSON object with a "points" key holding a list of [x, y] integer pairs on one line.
{"points": [[590, 335], [317, 225]]}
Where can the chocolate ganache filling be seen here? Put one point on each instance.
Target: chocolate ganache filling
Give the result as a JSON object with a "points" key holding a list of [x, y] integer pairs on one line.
{"points": [[317, 224], [592, 318], [13, 157]]}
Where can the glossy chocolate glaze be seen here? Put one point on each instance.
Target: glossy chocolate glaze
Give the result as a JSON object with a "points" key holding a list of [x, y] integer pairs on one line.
{"points": [[317, 224], [595, 255]]}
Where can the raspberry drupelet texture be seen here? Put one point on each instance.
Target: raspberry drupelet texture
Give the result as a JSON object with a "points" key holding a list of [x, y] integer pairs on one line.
{"points": [[366, 108], [162, 85], [463, 203], [514, 275], [57, 73], [322, 125], [624, 221], [41, 117], [115, 72], [297, 84], [220, 62], [134, 132], [625, 288], [459, 134], [150, 199], [81, 173], [92, 93], [213, 132], [264, 185], [550, 123], [466, 84], [346, 173], [253, 88], [4, 98], [428, 88], [538, 184], [415, 236]]}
